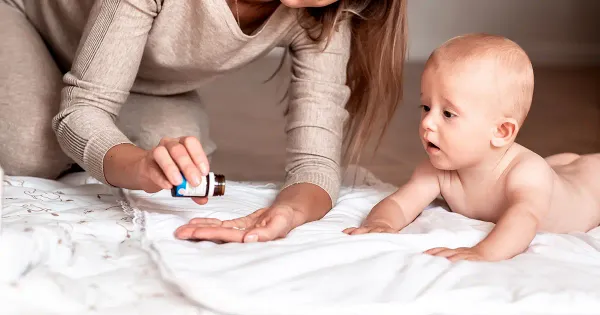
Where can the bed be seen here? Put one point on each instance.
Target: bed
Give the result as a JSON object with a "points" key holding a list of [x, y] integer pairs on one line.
{"points": [[75, 246]]}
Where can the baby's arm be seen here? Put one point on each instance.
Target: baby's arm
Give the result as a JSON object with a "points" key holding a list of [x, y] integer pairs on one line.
{"points": [[528, 191], [400, 208]]}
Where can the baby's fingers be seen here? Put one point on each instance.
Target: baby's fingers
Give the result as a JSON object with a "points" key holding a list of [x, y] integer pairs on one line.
{"points": [[447, 253], [463, 256], [361, 230], [435, 251], [382, 230], [349, 230]]}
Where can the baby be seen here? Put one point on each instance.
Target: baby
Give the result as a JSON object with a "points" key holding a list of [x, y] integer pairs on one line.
{"points": [[476, 91]]}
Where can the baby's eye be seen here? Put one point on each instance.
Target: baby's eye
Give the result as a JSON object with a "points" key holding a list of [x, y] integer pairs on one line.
{"points": [[448, 114], [425, 108]]}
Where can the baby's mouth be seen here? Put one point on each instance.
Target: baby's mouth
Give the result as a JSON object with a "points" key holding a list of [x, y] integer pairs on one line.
{"points": [[431, 145]]}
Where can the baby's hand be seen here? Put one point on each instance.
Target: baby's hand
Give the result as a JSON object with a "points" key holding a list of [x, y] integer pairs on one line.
{"points": [[371, 227], [461, 253]]}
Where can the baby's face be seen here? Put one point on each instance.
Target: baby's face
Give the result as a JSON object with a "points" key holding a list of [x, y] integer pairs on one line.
{"points": [[457, 120]]}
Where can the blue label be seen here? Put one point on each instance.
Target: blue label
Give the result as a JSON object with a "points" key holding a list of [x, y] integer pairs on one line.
{"points": [[183, 186]]}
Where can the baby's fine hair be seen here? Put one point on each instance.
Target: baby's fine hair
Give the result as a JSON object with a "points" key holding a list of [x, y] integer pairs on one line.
{"points": [[513, 69]]}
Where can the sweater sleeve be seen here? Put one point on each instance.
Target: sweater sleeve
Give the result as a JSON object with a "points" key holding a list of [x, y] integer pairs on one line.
{"points": [[102, 74], [317, 114]]}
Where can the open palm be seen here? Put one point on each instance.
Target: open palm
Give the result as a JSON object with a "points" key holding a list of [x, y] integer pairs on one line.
{"points": [[262, 225]]}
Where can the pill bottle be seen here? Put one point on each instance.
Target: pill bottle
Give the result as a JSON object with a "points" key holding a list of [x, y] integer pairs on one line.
{"points": [[210, 185]]}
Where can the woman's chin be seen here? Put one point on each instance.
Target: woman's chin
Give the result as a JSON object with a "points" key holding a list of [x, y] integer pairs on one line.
{"points": [[296, 4]]}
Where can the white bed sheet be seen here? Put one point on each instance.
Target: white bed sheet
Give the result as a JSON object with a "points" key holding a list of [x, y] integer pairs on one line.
{"points": [[68, 248], [319, 270]]}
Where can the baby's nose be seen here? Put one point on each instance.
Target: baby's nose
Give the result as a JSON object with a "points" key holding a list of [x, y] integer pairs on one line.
{"points": [[428, 123]]}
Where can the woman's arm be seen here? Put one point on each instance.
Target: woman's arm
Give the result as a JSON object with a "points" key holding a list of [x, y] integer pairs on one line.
{"points": [[315, 120], [99, 81], [310, 202], [317, 114]]}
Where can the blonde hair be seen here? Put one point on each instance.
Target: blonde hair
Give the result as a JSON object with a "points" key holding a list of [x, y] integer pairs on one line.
{"points": [[512, 66], [375, 68]]}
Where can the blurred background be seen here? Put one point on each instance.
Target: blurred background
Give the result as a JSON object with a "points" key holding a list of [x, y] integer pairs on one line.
{"points": [[562, 37]]}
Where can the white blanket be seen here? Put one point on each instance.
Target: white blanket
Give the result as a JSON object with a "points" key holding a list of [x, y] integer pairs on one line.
{"points": [[319, 270], [68, 248]]}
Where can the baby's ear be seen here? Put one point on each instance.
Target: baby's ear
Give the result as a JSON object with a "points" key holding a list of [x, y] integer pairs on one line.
{"points": [[505, 132]]}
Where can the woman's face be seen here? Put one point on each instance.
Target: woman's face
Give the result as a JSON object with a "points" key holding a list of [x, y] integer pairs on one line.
{"points": [[307, 3]]}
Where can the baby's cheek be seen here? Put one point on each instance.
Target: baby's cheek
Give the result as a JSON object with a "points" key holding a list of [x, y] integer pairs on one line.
{"points": [[465, 146], [458, 139]]}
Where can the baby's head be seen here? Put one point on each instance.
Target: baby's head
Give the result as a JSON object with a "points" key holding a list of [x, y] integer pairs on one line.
{"points": [[476, 91]]}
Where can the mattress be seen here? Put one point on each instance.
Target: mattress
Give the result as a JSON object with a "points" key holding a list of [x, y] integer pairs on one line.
{"points": [[77, 247]]}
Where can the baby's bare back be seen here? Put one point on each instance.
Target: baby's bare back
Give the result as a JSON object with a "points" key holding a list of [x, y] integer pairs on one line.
{"points": [[575, 199]]}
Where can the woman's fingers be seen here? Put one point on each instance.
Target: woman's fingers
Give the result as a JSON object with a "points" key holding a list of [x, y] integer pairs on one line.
{"points": [[196, 152], [200, 200], [162, 157], [158, 177], [180, 155], [237, 224], [183, 155], [211, 229], [153, 177], [167, 164], [206, 222], [209, 233], [245, 229]]}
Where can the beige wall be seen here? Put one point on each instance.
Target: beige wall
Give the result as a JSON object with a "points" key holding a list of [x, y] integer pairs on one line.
{"points": [[552, 31]]}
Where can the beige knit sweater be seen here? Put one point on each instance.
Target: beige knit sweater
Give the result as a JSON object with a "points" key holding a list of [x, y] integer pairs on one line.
{"points": [[165, 47]]}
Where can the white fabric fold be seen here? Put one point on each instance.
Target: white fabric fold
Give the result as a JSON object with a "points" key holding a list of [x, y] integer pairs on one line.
{"points": [[317, 269], [67, 248]]}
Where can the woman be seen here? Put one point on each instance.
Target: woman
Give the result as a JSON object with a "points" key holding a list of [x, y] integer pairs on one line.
{"points": [[130, 71]]}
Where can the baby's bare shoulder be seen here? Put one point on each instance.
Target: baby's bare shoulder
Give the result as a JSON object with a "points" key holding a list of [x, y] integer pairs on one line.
{"points": [[529, 172]]}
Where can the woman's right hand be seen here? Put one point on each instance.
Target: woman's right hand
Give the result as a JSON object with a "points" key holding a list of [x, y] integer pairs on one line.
{"points": [[161, 167]]}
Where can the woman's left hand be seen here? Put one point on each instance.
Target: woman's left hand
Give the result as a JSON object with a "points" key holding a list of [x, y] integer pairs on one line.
{"points": [[266, 224]]}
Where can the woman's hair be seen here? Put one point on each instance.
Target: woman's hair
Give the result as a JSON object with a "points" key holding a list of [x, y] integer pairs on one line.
{"points": [[375, 67]]}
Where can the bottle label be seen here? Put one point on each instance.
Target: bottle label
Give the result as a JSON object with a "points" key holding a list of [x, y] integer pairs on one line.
{"points": [[205, 189]]}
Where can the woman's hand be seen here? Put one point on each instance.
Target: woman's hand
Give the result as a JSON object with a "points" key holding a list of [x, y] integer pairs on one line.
{"points": [[294, 206], [263, 225], [128, 166]]}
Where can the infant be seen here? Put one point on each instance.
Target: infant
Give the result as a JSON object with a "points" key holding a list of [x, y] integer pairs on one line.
{"points": [[476, 91]]}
